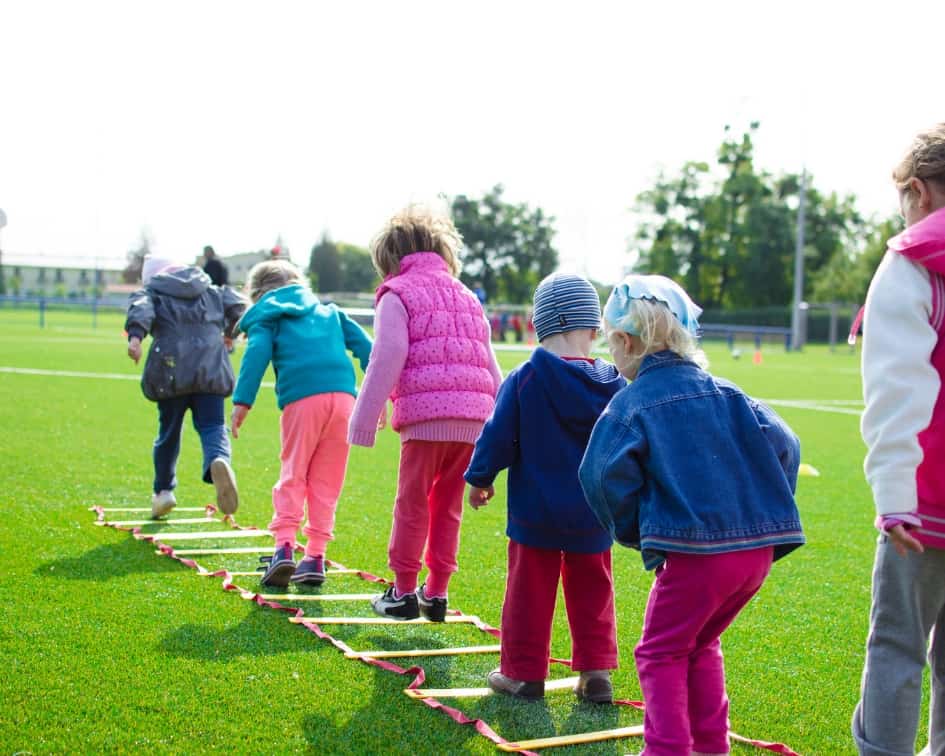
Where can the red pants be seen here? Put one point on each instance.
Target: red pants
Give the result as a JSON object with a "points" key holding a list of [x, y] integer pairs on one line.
{"points": [[428, 510], [528, 611]]}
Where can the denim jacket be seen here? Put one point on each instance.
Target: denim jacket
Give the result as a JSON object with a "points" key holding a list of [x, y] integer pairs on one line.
{"points": [[686, 462]]}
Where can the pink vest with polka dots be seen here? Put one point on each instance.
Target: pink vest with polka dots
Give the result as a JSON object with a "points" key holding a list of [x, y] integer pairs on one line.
{"points": [[446, 375]]}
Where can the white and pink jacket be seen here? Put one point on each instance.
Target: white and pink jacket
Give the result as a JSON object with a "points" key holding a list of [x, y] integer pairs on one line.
{"points": [[903, 379], [432, 356]]}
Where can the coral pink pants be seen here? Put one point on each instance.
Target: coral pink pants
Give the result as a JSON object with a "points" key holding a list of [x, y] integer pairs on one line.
{"points": [[679, 658], [428, 510], [528, 611], [314, 456]]}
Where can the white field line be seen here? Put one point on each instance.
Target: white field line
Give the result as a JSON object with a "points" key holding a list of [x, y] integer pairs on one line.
{"points": [[79, 374], [835, 406]]}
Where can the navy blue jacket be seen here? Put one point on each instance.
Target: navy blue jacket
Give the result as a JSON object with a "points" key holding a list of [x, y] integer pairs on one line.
{"points": [[543, 417], [683, 461]]}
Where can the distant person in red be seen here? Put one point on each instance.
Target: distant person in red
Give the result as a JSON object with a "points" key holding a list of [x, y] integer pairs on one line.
{"points": [[214, 267]]}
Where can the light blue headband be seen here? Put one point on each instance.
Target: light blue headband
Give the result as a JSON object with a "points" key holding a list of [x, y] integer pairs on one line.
{"points": [[657, 288]]}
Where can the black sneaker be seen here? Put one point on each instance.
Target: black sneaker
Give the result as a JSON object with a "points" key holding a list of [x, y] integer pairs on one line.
{"points": [[434, 609], [281, 567], [310, 571], [405, 607]]}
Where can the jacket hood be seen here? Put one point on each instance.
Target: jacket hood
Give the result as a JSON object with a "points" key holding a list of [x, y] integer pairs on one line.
{"points": [[292, 301], [185, 283], [576, 395], [924, 242]]}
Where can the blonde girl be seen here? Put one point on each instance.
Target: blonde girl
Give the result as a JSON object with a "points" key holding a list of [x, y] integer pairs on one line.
{"points": [[432, 357]]}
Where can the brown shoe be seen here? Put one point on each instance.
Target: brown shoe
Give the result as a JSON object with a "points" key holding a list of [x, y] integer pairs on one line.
{"points": [[530, 691], [594, 686]]}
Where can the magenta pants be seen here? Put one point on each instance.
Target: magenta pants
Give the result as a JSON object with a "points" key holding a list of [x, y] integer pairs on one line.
{"points": [[679, 658], [314, 456], [428, 511], [527, 614]]}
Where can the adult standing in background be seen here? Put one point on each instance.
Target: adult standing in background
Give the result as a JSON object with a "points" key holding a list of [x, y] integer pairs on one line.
{"points": [[214, 267]]}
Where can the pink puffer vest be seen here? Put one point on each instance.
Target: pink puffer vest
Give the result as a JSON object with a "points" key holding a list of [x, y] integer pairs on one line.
{"points": [[924, 244], [446, 375]]}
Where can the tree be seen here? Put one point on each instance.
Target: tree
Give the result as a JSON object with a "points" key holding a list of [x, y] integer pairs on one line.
{"points": [[729, 234], [324, 265], [132, 271], [508, 248], [847, 275], [357, 270]]}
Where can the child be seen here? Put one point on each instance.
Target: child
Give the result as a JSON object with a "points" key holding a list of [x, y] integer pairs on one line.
{"points": [[700, 478], [187, 368], [433, 357], [315, 388], [542, 421], [904, 429]]}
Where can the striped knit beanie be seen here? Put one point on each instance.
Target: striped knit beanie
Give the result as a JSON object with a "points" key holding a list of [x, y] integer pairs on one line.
{"points": [[565, 302]]}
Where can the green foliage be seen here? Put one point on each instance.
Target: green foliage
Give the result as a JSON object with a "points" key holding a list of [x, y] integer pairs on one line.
{"points": [[846, 276], [337, 266], [508, 247], [728, 233]]}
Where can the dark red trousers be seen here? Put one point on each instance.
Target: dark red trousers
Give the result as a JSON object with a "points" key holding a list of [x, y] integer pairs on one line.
{"points": [[528, 612]]}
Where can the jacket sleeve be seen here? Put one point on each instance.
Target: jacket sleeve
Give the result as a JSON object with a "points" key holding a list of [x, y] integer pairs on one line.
{"points": [[356, 340], [900, 385], [234, 305], [612, 477], [140, 314], [498, 445], [783, 440], [256, 359]]}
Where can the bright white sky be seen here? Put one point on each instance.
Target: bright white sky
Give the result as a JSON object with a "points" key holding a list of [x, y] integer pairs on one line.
{"points": [[231, 122]]}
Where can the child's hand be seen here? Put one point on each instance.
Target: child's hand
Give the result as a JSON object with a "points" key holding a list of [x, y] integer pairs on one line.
{"points": [[902, 541], [240, 411], [134, 348], [479, 497], [382, 420]]}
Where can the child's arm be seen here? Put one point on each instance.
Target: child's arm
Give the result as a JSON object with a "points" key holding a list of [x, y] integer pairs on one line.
{"points": [[234, 305], [900, 385], [138, 321], [498, 445], [495, 370], [356, 340], [611, 477], [256, 359], [785, 443], [387, 359]]}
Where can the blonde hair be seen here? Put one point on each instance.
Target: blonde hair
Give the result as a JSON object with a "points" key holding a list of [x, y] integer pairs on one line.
{"points": [[658, 329], [269, 275], [925, 159], [416, 229]]}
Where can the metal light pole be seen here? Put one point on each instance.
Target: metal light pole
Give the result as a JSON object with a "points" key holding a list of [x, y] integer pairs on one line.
{"points": [[797, 337]]}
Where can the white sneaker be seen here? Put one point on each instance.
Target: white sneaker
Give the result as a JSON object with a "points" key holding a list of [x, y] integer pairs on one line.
{"points": [[161, 503], [228, 498]]}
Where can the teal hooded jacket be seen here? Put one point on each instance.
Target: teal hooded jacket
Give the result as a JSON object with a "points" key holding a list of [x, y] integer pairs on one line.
{"points": [[307, 343]]}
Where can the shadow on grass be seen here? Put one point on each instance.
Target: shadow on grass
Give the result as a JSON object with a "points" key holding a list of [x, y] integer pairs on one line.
{"points": [[254, 636], [126, 557]]}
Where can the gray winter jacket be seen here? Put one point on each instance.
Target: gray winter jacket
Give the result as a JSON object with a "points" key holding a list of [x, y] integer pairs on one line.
{"points": [[186, 316]]}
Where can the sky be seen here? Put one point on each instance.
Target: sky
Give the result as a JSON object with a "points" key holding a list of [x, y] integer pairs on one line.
{"points": [[229, 123]]}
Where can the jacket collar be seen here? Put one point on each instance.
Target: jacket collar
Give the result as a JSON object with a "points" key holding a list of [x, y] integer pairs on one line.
{"points": [[657, 360]]}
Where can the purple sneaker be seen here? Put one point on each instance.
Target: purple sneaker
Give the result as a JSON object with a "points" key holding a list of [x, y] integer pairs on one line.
{"points": [[310, 571], [281, 566]]}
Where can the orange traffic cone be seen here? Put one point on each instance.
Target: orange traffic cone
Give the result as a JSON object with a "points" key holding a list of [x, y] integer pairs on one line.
{"points": [[757, 357]]}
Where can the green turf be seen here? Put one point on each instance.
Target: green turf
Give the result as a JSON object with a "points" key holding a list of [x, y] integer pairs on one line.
{"points": [[106, 646]]}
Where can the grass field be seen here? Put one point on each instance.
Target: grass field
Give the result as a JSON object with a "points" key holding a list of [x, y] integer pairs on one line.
{"points": [[107, 647]]}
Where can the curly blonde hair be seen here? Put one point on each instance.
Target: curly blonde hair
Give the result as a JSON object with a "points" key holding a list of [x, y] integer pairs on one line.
{"points": [[269, 275], [658, 329], [416, 228], [925, 159]]}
